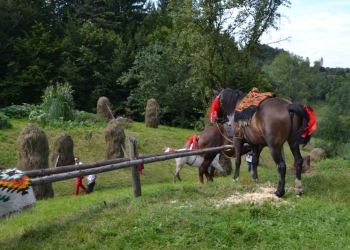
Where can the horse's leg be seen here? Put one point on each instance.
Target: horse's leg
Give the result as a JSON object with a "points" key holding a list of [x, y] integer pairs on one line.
{"points": [[203, 169], [298, 163], [255, 163], [277, 156], [180, 162], [238, 144]]}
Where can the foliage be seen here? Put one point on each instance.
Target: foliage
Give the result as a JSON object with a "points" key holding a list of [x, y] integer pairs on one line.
{"points": [[57, 105], [31, 67], [290, 75], [220, 47], [92, 65], [17, 111], [334, 128], [5, 121], [160, 77]]}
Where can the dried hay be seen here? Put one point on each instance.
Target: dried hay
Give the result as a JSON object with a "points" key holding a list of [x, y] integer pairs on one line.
{"points": [[264, 194], [317, 154], [104, 108], [63, 147], [152, 114], [33, 153], [115, 140], [226, 164]]}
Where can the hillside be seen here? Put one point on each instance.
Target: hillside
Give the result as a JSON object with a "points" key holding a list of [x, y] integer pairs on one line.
{"points": [[218, 215]]}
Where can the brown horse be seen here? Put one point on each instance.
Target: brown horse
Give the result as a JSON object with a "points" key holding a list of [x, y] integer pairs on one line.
{"points": [[271, 123], [215, 136]]}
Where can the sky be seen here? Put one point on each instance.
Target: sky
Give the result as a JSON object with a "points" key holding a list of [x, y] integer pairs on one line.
{"points": [[317, 29]]}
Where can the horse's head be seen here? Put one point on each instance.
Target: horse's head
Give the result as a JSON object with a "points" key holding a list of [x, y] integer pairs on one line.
{"points": [[224, 104]]}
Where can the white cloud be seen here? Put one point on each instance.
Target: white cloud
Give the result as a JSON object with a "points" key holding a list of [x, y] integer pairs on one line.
{"points": [[317, 29]]}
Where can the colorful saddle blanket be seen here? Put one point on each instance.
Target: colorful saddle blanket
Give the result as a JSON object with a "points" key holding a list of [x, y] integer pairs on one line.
{"points": [[249, 105], [16, 194]]}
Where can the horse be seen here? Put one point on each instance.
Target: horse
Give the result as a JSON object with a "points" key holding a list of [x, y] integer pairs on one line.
{"points": [[270, 121], [213, 136], [193, 161]]}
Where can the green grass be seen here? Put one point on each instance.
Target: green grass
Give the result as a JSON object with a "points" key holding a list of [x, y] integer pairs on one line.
{"points": [[182, 215]]}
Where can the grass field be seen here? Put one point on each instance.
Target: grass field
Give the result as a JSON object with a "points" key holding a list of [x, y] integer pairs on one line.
{"points": [[219, 215]]}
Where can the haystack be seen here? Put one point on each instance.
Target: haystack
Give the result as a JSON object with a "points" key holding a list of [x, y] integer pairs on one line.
{"points": [[152, 114], [115, 140], [317, 154], [63, 150], [226, 164], [33, 153], [104, 108]]}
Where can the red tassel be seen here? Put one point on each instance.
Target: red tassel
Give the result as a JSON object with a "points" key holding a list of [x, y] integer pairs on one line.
{"points": [[311, 126], [192, 140], [215, 107]]}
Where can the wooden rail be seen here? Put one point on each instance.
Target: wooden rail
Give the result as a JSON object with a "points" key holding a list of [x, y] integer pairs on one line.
{"points": [[50, 175]]}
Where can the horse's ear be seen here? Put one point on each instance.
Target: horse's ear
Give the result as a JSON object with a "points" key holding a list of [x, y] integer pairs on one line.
{"points": [[215, 92]]}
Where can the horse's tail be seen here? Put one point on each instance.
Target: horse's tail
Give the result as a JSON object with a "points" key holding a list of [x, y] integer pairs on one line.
{"points": [[308, 123]]}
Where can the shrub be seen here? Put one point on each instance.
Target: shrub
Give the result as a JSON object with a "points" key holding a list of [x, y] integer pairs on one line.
{"points": [[17, 111], [58, 102], [57, 105], [5, 121]]}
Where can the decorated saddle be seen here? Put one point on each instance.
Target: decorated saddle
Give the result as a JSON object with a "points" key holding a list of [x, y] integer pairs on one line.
{"points": [[16, 194], [249, 105]]}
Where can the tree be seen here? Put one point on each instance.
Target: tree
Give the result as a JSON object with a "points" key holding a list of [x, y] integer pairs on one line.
{"points": [[291, 76], [93, 60], [33, 64], [220, 46], [333, 131], [156, 75]]}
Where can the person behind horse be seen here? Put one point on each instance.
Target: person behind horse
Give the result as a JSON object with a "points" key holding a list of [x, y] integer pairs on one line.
{"points": [[249, 158], [79, 180], [91, 180]]}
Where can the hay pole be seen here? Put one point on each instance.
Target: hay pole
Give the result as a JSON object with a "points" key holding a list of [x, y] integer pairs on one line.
{"points": [[103, 167], [58, 156], [110, 111], [135, 175]]}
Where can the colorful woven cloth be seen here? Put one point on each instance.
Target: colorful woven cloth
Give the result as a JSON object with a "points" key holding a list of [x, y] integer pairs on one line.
{"points": [[15, 192], [250, 103]]}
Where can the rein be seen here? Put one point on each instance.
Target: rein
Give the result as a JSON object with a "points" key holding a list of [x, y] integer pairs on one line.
{"points": [[223, 152]]}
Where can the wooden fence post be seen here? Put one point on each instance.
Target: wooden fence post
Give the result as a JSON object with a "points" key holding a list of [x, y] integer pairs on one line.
{"points": [[135, 175]]}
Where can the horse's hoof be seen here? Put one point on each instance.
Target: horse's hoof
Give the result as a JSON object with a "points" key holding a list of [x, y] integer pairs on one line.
{"points": [[299, 192], [255, 180], [235, 179], [279, 195]]}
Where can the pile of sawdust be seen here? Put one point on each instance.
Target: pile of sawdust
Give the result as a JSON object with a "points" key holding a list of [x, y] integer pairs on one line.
{"points": [[263, 194]]}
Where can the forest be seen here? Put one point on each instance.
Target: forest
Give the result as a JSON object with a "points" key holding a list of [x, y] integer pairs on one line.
{"points": [[175, 51]]}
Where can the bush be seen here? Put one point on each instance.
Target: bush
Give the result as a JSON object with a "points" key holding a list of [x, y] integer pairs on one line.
{"points": [[57, 105], [5, 121], [17, 111]]}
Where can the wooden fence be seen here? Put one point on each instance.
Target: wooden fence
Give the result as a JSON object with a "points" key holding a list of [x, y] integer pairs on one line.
{"points": [[50, 175]]}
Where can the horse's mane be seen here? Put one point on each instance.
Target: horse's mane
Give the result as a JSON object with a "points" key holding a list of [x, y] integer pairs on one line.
{"points": [[228, 99]]}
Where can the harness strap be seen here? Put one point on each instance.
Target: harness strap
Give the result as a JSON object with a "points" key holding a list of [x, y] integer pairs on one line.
{"points": [[195, 158]]}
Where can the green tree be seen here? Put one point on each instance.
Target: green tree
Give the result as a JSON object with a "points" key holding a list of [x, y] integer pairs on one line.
{"points": [[93, 60], [156, 75], [34, 63], [333, 131], [290, 75], [220, 46]]}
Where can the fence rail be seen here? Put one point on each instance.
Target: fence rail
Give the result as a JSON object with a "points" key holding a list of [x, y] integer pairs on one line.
{"points": [[50, 175]]}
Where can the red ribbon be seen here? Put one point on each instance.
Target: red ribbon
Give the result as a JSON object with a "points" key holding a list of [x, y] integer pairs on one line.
{"points": [[311, 126]]}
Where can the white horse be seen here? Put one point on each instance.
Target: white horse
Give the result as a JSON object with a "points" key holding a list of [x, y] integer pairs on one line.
{"points": [[193, 161]]}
